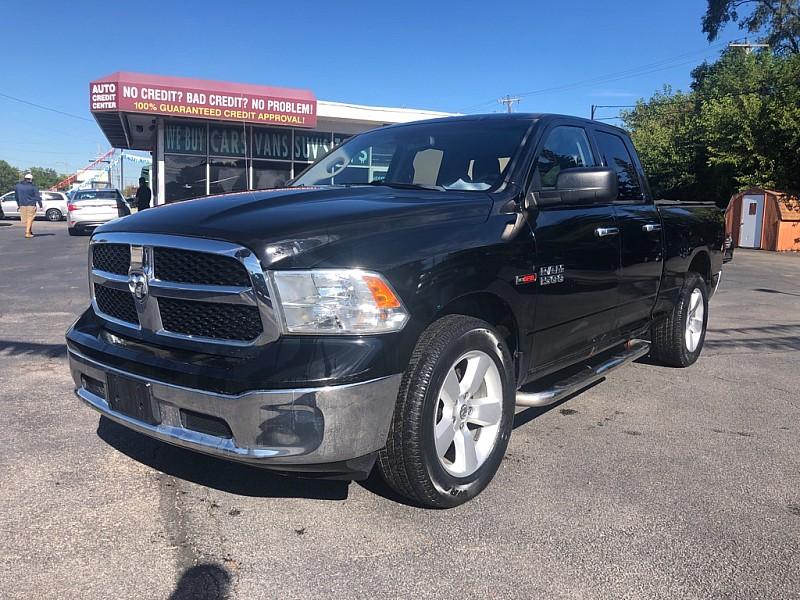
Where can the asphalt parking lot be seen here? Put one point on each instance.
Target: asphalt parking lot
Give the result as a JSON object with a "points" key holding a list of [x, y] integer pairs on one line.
{"points": [[657, 483]]}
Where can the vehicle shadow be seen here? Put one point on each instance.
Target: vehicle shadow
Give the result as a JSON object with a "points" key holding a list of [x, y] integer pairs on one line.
{"points": [[17, 348], [375, 483], [780, 337], [226, 476], [525, 416], [205, 581], [771, 291]]}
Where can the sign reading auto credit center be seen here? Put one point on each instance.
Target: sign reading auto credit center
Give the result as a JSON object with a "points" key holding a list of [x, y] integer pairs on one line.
{"points": [[229, 103]]}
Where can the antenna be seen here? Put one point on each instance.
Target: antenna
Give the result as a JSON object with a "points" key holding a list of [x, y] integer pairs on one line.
{"points": [[509, 101]]}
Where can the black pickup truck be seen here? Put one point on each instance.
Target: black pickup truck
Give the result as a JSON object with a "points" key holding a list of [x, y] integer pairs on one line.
{"points": [[397, 301]]}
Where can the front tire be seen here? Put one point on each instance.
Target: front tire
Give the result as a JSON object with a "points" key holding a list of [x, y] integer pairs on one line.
{"points": [[678, 340], [454, 414]]}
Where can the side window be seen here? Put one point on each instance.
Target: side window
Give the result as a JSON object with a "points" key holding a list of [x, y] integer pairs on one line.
{"points": [[618, 158], [566, 147]]}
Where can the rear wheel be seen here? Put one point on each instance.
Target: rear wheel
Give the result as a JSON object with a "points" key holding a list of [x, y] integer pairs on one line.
{"points": [[678, 340], [53, 214], [453, 416], [73, 231]]}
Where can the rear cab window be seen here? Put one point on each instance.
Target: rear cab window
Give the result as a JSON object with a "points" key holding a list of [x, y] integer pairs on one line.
{"points": [[617, 157]]}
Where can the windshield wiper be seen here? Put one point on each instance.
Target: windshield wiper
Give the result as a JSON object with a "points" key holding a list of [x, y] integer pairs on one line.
{"points": [[407, 186]]}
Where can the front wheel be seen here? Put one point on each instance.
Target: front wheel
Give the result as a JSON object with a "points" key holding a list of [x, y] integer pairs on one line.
{"points": [[453, 416], [53, 214], [678, 340]]}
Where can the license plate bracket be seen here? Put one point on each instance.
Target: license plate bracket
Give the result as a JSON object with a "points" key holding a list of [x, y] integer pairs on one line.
{"points": [[132, 398]]}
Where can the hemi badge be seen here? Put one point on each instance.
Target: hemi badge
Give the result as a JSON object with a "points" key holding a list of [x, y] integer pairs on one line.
{"points": [[525, 279]]}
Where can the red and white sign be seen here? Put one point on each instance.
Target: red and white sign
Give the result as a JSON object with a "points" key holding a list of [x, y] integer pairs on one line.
{"points": [[200, 99]]}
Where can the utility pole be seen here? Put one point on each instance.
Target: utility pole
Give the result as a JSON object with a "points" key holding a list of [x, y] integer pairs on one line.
{"points": [[594, 108], [748, 47], [122, 172], [509, 101]]}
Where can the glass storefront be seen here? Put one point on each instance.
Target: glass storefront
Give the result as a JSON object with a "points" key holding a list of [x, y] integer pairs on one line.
{"points": [[203, 158], [184, 177]]}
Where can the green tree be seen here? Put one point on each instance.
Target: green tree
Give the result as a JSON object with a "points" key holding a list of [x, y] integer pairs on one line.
{"points": [[738, 127], [8, 177], [45, 178], [778, 21]]}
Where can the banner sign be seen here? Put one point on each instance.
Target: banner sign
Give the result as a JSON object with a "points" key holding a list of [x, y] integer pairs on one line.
{"points": [[189, 98]]}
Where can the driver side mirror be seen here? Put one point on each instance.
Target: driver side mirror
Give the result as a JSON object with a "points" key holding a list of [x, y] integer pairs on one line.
{"points": [[581, 185]]}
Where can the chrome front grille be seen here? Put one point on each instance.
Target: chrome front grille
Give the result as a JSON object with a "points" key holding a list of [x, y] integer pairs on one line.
{"points": [[180, 287], [116, 303], [187, 266], [112, 258]]}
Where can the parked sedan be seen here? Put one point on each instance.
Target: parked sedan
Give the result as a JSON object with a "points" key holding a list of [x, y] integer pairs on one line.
{"points": [[89, 208], [54, 206]]}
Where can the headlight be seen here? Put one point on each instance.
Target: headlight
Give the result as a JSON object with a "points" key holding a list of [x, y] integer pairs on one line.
{"points": [[330, 301]]}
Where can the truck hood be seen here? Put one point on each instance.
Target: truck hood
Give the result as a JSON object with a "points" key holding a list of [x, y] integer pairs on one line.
{"points": [[305, 217]]}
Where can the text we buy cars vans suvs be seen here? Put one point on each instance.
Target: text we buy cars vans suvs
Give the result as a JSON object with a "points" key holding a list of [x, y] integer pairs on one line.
{"points": [[394, 305]]}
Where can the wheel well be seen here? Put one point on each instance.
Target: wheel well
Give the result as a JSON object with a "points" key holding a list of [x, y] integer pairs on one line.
{"points": [[701, 264], [490, 308]]}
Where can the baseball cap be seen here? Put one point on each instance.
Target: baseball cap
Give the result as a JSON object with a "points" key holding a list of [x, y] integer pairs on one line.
{"points": [[28, 176]]}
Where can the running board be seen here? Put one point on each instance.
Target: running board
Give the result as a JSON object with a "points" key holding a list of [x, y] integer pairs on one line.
{"points": [[594, 372]]}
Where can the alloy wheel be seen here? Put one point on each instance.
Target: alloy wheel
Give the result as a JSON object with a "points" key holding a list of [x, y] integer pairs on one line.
{"points": [[694, 320], [468, 413]]}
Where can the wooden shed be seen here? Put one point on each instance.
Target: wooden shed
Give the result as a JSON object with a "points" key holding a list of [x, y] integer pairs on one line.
{"points": [[764, 219]]}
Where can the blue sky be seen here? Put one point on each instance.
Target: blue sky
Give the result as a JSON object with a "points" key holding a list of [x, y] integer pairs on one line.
{"points": [[450, 56]]}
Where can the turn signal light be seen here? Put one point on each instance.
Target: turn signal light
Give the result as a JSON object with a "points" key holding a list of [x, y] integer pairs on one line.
{"points": [[384, 297]]}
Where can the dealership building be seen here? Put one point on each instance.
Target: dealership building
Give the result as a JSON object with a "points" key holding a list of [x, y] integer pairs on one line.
{"points": [[210, 137]]}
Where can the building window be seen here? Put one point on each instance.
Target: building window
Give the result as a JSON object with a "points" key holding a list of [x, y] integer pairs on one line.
{"points": [[227, 140], [269, 174], [228, 152], [272, 143], [184, 138], [227, 175], [184, 177]]}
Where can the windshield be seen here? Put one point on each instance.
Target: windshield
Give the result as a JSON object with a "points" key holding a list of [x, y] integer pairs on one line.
{"points": [[449, 155]]}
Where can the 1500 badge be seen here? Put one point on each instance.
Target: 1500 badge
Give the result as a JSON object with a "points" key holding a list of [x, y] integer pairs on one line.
{"points": [[551, 274]]}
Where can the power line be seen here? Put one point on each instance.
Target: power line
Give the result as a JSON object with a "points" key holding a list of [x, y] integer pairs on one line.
{"points": [[691, 98], [55, 110], [644, 69]]}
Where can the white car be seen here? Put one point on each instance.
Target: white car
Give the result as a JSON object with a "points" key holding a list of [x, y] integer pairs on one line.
{"points": [[54, 206], [89, 208]]}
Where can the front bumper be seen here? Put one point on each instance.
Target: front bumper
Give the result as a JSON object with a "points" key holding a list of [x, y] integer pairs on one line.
{"points": [[271, 428]]}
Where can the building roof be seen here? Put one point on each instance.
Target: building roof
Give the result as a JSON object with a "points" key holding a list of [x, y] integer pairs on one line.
{"points": [[788, 206], [376, 114]]}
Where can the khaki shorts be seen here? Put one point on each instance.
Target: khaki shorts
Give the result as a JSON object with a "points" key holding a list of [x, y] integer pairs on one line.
{"points": [[27, 213]]}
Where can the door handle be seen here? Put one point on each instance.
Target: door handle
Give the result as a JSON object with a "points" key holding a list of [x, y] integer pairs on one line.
{"points": [[606, 231], [651, 227]]}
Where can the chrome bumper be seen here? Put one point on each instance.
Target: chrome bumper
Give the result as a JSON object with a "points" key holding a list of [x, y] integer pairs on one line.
{"points": [[269, 427]]}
